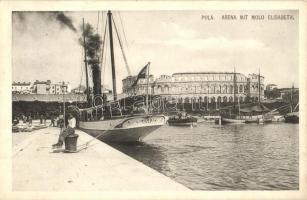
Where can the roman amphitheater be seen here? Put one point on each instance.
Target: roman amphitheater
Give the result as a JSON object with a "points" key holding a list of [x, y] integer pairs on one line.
{"points": [[199, 86]]}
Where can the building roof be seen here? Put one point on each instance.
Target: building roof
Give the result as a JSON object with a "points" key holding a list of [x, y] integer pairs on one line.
{"points": [[21, 83], [49, 97], [42, 82], [288, 89], [183, 73]]}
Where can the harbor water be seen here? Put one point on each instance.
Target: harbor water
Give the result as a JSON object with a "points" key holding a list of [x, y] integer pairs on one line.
{"points": [[228, 157]]}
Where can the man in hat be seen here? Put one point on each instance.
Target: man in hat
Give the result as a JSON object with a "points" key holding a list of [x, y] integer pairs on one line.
{"points": [[66, 132]]}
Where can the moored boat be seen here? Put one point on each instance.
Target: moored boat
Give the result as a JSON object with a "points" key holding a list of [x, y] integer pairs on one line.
{"points": [[130, 129], [232, 120], [278, 118], [292, 117], [192, 121], [210, 118], [182, 119], [108, 123], [231, 114]]}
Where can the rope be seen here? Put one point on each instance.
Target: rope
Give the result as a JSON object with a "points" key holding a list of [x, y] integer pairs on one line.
{"points": [[91, 140], [86, 144], [97, 22], [104, 64], [103, 44], [122, 48], [79, 86], [121, 22]]}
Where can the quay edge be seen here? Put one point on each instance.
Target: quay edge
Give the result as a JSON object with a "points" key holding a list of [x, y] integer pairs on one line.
{"points": [[98, 168]]}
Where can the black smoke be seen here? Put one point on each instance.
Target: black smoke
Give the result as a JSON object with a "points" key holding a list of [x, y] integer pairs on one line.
{"points": [[58, 16], [65, 20]]}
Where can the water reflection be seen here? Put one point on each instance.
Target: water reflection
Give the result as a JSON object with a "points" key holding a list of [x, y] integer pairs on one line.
{"points": [[150, 155], [231, 157]]}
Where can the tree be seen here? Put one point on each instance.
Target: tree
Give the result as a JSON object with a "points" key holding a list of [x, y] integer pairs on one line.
{"points": [[272, 94]]}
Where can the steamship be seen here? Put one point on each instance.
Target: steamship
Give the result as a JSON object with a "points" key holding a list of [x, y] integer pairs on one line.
{"points": [[106, 122]]}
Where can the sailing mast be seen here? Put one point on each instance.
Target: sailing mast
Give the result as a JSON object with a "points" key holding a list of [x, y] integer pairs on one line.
{"points": [[85, 62], [291, 98], [234, 91], [147, 88], [259, 87], [234, 88], [112, 55]]}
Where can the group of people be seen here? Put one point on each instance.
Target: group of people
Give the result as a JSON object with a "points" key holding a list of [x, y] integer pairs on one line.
{"points": [[67, 126], [24, 119], [57, 121]]}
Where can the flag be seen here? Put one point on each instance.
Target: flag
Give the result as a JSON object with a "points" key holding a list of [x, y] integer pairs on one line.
{"points": [[142, 74]]}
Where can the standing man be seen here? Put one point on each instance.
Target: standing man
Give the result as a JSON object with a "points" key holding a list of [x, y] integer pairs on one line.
{"points": [[30, 119], [52, 120], [66, 132], [41, 119]]}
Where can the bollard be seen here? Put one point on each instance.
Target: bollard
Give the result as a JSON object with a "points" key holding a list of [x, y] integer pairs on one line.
{"points": [[71, 143], [220, 120]]}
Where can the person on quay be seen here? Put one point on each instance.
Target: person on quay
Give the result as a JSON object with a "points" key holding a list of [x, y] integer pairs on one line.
{"points": [[41, 119], [66, 132], [56, 120], [30, 120], [52, 120], [24, 118], [60, 122], [44, 119], [15, 120]]}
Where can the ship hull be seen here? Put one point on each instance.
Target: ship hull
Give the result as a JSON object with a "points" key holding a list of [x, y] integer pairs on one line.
{"points": [[234, 121], [258, 121], [133, 129], [230, 121], [182, 122], [292, 118]]}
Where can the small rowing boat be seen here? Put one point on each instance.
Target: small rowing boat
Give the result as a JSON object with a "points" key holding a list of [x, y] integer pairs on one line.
{"points": [[182, 119]]}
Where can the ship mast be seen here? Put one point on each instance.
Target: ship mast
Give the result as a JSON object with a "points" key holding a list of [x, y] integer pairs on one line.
{"points": [[234, 88], [85, 62], [291, 98], [112, 55], [147, 88], [259, 87]]}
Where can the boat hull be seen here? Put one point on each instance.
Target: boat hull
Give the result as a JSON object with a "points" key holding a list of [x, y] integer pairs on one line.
{"points": [[292, 118], [133, 129], [258, 121], [211, 119], [230, 121], [278, 119], [182, 122]]}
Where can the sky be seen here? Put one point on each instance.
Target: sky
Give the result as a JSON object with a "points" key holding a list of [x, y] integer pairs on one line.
{"points": [[173, 41]]}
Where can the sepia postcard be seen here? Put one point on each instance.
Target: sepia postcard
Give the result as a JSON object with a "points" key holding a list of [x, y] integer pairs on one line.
{"points": [[153, 100]]}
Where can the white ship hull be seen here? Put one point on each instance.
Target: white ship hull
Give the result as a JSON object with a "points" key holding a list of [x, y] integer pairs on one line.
{"points": [[131, 129], [234, 121]]}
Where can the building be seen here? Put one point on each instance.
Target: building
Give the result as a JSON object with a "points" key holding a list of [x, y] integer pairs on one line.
{"points": [[21, 87], [41, 87], [287, 92], [270, 87], [253, 90], [79, 90], [59, 88], [46, 87], [199, 86]]}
